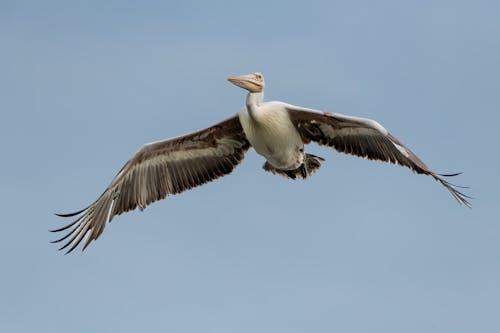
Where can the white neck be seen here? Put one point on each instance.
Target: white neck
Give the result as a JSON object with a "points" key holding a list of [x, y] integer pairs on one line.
{"points": [[254, 100]]}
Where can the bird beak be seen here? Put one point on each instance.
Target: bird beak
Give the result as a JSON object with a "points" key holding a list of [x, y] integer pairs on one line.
{"points": [[247, 82], [240, 80]]}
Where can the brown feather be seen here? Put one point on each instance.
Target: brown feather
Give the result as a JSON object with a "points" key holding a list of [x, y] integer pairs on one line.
{"points": [[160, 169], [364, 138]]}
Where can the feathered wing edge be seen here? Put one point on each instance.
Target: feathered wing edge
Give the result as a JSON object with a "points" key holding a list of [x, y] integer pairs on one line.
{"points": [[364, 138], [419, 167], [157, 170]]}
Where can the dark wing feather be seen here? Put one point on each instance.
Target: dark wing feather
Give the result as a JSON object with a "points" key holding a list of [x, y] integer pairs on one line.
{"points": [[365, 138], [157, 170]]}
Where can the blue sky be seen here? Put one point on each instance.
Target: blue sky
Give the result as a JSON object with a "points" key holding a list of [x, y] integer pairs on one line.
{"points": [[359, 247]]}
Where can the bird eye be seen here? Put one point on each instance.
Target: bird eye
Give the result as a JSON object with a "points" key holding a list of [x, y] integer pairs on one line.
{"points": [[258, 76]]}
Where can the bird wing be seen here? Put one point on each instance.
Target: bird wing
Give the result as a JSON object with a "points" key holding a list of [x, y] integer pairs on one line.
{"points": [[157, 170], [362, 137]]}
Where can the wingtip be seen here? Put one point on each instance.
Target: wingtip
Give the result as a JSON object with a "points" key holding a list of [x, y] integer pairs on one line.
{"points": [[450, 174], [69, 214], [461, 197]]}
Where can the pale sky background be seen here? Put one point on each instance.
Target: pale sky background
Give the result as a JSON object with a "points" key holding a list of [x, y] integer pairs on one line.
{"points": [[360, 246]]}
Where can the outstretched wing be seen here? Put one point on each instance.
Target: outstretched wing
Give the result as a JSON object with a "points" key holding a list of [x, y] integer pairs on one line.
{"points": [[157, 170], [362, 137]]}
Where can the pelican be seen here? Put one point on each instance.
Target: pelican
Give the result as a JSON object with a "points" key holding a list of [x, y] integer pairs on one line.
{"points": [[278, 131]]}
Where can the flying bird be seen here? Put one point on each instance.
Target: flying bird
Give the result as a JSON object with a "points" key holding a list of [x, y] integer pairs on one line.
{"points": [[278, 131]]}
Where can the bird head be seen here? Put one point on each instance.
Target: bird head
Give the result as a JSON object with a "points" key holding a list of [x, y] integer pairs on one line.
{"points": [[252, 82]]}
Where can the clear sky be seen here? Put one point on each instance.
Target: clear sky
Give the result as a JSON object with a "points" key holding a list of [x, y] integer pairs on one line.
{"points": [[360, 246]]}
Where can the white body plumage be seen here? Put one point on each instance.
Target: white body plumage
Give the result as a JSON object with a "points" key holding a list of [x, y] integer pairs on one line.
{"points": [[272, 134]]}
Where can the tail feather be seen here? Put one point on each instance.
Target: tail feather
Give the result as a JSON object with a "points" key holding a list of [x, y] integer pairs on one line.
{"points": [[312, 163]]}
